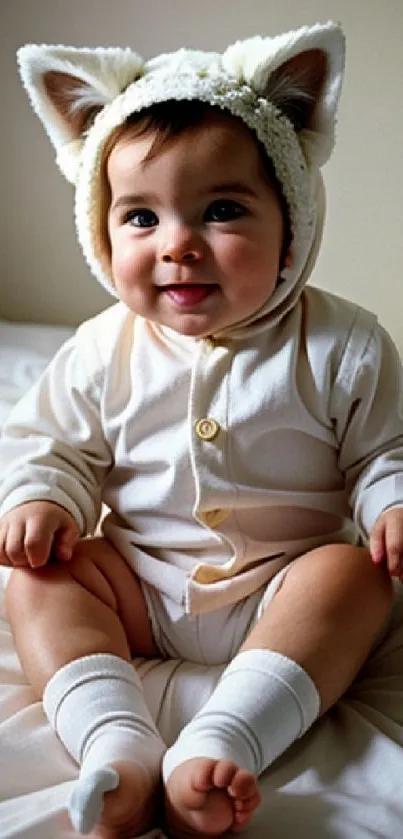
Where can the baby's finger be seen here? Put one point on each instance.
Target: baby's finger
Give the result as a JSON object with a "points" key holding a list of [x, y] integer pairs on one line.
{"points": [[65, 541], [4, 560], [399, 571], [14, 544], [394, 549], [38, 542], [377, 545], [395, 566]]}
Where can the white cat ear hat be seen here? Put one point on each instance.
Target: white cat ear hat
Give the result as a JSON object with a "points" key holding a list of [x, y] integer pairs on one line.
{"points": [[285, 88]]}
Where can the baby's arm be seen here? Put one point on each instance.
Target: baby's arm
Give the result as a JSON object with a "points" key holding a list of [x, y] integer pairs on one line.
{"points": [[53, 448], [368, 406], [32, 532], [386, 541]]}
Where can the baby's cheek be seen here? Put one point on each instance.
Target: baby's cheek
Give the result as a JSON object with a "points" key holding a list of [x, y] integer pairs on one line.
{"points": [[239, 254], [254, 260], [125, 262]]}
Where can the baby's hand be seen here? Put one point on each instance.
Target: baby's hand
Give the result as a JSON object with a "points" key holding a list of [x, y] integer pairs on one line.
{"points": [[386, 541], [31, 532]]}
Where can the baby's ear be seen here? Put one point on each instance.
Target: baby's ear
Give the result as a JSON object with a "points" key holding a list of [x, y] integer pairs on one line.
{"points": [[68, 86]]}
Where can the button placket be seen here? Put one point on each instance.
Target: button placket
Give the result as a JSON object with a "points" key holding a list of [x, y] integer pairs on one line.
{"points": [[208, 417]]}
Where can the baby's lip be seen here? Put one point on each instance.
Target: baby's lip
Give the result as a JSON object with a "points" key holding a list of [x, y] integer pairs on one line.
{"points": [[184, 283], [188, 294], [189, 284]]}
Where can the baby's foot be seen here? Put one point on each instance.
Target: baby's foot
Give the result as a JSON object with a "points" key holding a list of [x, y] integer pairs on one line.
{"points": [[206, 797], [127, 810]]}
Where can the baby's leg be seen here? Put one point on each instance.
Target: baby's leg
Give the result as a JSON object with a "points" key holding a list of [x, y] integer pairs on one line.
{"points": [[301, 656], [76, 626]]}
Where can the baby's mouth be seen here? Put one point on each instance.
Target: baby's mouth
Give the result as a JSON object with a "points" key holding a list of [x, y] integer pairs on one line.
{"points": [[189, 294]]}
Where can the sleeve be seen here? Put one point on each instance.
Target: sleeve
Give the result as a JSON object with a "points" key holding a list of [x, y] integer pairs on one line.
{"points": [[368, 420], [52, 446]]}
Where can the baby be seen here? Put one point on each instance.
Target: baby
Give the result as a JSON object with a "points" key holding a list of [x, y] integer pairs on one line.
{"points": [[244, 432]]}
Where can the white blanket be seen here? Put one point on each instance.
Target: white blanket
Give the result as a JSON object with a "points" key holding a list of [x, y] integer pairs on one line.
{"points": [[343, 780]]}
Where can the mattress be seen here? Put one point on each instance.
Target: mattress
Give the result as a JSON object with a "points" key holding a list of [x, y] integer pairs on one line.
{"points": [[342, 780]]}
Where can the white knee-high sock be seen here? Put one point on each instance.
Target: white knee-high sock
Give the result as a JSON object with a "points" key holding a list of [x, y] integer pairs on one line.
{"points": [[97, 708], [262, 703]]}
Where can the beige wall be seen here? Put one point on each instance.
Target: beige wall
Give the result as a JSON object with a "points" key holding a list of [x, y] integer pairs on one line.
{"points": [[42, 273]]}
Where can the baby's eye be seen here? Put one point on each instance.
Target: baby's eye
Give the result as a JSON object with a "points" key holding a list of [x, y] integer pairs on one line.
{"points": [[224, 209], [141, 218]]}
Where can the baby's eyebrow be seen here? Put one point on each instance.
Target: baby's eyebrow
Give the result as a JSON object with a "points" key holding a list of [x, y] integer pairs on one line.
{"points": [[236, 187], [137, 199], [146, 199]]}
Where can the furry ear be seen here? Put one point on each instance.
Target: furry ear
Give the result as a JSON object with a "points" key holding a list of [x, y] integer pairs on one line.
{"points": [[296, 86], [68, 86], [301, 74], [76, 103]]}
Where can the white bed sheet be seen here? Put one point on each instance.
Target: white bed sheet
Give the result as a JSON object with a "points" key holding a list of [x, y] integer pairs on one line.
{"points": [[343, 780], [25, 350]]}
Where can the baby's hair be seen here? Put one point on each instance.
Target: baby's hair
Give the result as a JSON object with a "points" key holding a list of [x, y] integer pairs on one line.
{"points": [[168, 120]]}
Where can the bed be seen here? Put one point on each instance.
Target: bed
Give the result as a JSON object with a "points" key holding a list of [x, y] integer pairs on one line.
{"points": [[343, 780]]}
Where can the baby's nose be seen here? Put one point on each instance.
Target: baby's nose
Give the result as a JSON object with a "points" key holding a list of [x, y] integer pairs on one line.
{"points": [[176, 255], [182, 246]]}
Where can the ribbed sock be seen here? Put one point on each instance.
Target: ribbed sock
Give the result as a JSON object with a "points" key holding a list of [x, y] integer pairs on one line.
{"points": [[263, 702], [97, 708]]}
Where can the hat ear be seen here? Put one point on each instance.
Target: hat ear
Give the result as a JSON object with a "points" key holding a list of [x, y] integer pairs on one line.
{"points": [[296, 87], [68, 86], [301, 74]]}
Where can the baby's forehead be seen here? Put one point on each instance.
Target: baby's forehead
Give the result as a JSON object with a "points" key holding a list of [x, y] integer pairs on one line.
{"points": [[228, 128], [216, 135], [192, 163]]}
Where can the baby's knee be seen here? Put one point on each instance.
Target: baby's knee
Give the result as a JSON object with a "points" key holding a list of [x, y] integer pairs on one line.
{"points": [[103, 571], [30, 590], [355, 564], [373, 581], [24, 594], [348, 572]]}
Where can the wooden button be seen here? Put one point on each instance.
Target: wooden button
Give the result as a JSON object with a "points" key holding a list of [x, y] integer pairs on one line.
{"points": [[207, 428], [214, 517]]}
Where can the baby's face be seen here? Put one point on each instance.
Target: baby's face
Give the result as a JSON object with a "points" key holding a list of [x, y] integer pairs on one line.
{"points": [[196, 232]]}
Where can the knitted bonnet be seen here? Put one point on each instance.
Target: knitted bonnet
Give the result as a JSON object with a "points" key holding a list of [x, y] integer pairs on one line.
{"points": [[284, 88]]}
